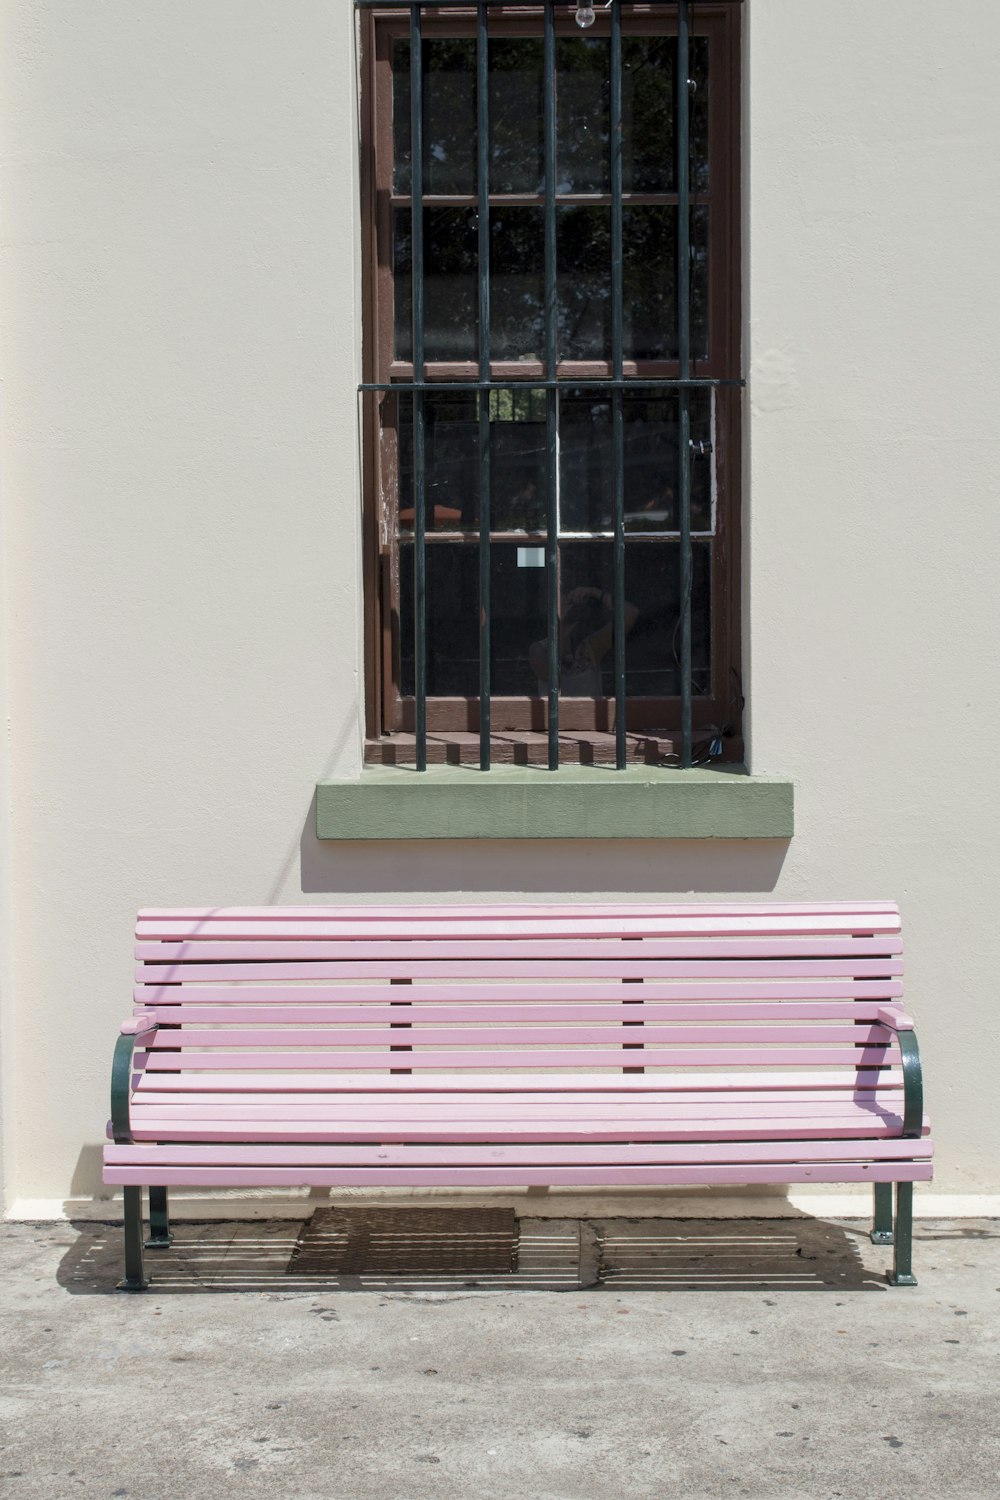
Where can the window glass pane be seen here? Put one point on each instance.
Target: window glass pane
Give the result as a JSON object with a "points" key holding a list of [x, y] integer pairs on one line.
{"points": [[451, 448], [582, 115], [648, 150], [452, 619], [451, 295], [583, 251], [517, 258], [519, 645], [650, 282], [519, 489], [451, 467], [449, 90], [516, 152], [651, 477], [652, 591], [518, 618], [583, 160]]}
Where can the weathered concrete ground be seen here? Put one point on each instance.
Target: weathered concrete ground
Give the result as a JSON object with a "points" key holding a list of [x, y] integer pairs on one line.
{"points": [[749, 1358]]}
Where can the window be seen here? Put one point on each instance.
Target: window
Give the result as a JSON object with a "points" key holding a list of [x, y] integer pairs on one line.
{"points": [[551, 380]]}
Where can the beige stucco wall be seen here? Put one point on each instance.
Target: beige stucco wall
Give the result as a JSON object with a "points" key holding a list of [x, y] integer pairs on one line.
{"points": [[179, 348]]}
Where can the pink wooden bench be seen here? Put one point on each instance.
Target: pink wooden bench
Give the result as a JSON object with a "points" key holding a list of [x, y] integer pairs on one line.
{"points": [[493, 1047]]}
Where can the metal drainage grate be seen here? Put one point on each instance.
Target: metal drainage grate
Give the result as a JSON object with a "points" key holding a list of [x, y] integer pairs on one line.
{"points": [[361, 1241]]}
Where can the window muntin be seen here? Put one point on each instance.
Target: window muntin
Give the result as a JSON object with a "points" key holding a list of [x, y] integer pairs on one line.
{"points": [[518, 530]]}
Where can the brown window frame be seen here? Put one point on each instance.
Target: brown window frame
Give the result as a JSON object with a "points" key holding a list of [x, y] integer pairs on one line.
{"points": [[654, 721]]}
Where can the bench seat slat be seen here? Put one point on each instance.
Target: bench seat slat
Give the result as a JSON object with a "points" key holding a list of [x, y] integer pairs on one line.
{"points": [[521, 1176], [511, 1107], [314, 1131], [622, 1032], [540, 1153]]}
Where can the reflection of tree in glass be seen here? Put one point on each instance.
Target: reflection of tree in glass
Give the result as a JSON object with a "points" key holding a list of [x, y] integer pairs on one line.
{"points": [[583, 158], [449, 92], [516, 159]]}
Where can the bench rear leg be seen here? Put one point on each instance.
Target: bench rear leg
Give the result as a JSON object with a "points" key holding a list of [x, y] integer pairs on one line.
{"points": [[882, 1217], [134, 1279], [902, 1269], [159, 1220]]}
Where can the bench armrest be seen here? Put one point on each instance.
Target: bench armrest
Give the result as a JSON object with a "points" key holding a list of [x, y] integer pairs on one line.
{"points": [[913, 1083], [137, 1025], [121, 1076], [894, 1018]]}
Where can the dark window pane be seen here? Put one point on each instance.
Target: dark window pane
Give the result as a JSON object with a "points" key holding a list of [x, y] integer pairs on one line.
{"points": [[651, 475], [452, 619], [451, 296], [650, 282], [583, 163], [516, 151], [652, 591], [585, 498], [519, 493], [583, 245], [517, 258], [451, 467], [449, 89], [518, 618], [648, 150], [519, 645]]}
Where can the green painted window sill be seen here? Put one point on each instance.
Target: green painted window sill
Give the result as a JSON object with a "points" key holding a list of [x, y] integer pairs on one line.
{"points": [[579, 802]]}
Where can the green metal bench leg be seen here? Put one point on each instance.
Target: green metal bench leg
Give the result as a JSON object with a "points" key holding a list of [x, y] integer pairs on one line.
{"points": [[159, 1220], [902, 1270], [135, 1279], [882, 1218]]}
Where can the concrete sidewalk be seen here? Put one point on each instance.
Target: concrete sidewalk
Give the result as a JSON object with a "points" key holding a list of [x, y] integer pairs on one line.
{"points": [[626, 1358]]}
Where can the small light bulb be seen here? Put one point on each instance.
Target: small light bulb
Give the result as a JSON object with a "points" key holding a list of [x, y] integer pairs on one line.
{"points": [[585, 15]]}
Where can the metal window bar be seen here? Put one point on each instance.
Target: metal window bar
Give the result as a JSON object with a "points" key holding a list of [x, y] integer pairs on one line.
{"points": [[551, 394], [485, 431], [684, 383], [618, 410], [419, 474], [682, 108]]}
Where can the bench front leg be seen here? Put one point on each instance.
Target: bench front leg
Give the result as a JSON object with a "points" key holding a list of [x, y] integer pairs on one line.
{"points": [[135, 1278], [902, 1260]]}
